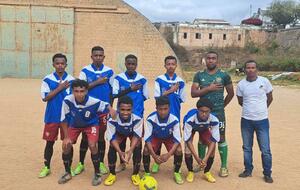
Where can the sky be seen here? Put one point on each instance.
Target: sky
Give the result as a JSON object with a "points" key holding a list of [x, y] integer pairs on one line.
{"points": [[233, 11]]}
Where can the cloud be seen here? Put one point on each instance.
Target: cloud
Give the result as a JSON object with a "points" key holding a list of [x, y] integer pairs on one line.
{"points": [[177, 10]]}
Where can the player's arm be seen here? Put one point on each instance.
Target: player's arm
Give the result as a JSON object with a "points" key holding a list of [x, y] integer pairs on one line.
{"points": [[132, 88], [189, 140], [148, 136], [230, 94], [269, 92], [240, 100], [269, 98], [64, 124], [173, 89], [53, 93], [99, 81], [196, 91]]}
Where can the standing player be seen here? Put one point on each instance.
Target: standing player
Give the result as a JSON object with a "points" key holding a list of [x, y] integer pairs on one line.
{"points": [[163, 128], [126, 125], [173, 87], [100, 79], [80, 115], [134, 85], [55, 87], [210, 84], [200, 120]]}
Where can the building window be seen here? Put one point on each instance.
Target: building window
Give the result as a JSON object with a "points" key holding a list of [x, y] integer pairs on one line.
{"points": [[198, 36], [224, 36], [185, 35], [239, 37], [210, 36]]}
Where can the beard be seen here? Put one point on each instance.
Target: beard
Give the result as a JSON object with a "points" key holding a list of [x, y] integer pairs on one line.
{"points": [[211, 67]]}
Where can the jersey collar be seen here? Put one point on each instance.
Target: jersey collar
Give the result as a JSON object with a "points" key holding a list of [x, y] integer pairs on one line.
{"points": [[131, 76], [63, 77], [95, 68], [84, 101], [168, 77]]}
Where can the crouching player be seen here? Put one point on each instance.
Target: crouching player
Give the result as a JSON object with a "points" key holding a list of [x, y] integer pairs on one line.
{"points": [[163, 128], [126, 125], [207, 125], [80, 115]]}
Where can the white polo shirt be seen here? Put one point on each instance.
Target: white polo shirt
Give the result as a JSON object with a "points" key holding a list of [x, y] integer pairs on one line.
{"points": [[254, 96]]}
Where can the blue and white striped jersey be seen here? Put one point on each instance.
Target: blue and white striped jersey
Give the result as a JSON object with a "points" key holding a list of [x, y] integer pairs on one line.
{"points": [[90, 74], [50, 83], [132, 126], [79, 115], [192, 122], [162, 128], [164, 83], [123, 81]]}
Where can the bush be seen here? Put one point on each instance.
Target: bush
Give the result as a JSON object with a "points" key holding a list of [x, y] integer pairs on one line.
{"points": [[252, 48], [279, 64]]}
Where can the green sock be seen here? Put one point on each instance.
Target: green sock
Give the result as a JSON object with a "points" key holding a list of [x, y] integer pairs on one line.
{"points": [[201, 150], [223, 150]]}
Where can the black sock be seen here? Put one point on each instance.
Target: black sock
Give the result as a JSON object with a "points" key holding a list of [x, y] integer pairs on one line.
{"points": [[158, 152], [48, 152], [101, 150], [67, 158], [177, 162], [83, 148], [95, 160], [112, 159], [137, 157], [189, 162], [209, 163], [123, 148], [146, 163]]}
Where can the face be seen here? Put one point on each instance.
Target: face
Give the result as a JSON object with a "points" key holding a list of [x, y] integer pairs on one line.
{"points": [[60, 65], [211, 61], [163, 110], [98, 57], [131, 65], [125, 110], [79, 93], [203, 113], [251, 70], [171, 65]]}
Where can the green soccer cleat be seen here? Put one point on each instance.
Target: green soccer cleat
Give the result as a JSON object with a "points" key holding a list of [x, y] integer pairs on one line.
{"points": [[155, 168], [103, 169], [44, 172], [79, 169], [178, 179]]}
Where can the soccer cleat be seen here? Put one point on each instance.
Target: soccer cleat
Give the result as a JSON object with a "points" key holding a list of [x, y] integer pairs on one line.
{"points": [[79, 169], [96, 179], [121, 168], [147, 174], [110, 180], [190, 177], [44, 172], [245, 174], [103, 169], [64, 178], [72, 173], [178, 179], [155, 168], [223, 172], [135, 179], [209, 177]]}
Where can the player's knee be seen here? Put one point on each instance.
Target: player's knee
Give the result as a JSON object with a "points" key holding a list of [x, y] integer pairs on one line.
{"points": [[178, 150], [146, 150], [93, 147], [187, 155]]}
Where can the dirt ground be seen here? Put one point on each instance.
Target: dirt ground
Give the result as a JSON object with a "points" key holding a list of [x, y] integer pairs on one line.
{"points": [[21, 145]]}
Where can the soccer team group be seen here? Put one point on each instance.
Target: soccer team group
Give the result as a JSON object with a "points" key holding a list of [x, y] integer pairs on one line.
{"points": [[85, 106]]}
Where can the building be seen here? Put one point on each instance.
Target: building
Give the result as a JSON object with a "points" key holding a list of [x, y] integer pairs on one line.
{"points": [[31, 31]]}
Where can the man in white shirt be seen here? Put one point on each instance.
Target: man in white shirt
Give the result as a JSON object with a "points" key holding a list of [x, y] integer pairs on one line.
{"points": [[254, 94]]}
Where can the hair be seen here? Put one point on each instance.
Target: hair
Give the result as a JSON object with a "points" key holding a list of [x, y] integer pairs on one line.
{"points": [[131, 56], [79, 83], [125, 100], [170, 57], [59, 55], [212, 52], [204, 102], [162, 100], [250, 61], [97, 48]]}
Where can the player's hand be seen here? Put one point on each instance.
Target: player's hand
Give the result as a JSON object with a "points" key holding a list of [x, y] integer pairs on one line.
{"points": [[215, 87], [135, 87], [102, 80], [157, 159], [66, 143], [122, 156], [199, 161], [63, 85], [113, 113], [203, 163], [128, 155], [175, 87], [165, 157]]}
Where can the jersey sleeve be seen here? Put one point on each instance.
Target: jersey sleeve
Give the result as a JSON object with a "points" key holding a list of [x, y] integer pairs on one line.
{"points": [[111, 131], [239, 91], [215, 131], [196, 78], [182, 92], [111, 78], [227, 79], [138, 128], [103, 106], [187, 131], [145, 91], [82, 76], [44, 89], [116, 87], [65, 111], [269, 87], [157, 91], [148, 132], [176, 133]]}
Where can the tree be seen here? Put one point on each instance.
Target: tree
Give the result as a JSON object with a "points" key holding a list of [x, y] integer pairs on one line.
{"points": [[283, 12]]}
